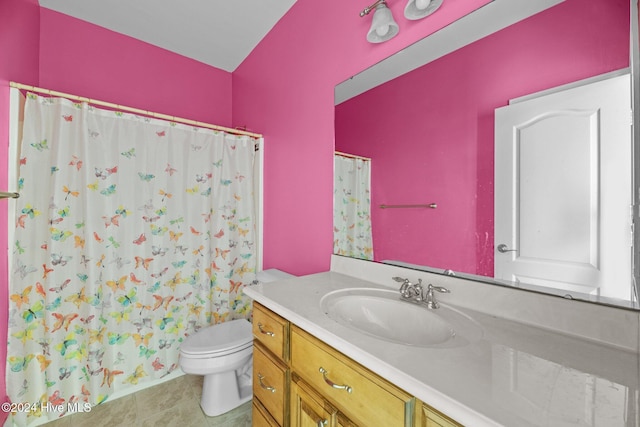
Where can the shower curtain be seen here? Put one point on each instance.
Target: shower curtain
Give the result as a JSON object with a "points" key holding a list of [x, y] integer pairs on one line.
{"points": [[352, 235], [131, 234]]}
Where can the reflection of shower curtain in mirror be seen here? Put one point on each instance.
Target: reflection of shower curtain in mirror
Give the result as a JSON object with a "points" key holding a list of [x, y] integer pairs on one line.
{"points": [[131, 234], [352, 207]]}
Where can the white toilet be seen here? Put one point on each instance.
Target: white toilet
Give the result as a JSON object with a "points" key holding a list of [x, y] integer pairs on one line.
{"points": [[223, 354]]}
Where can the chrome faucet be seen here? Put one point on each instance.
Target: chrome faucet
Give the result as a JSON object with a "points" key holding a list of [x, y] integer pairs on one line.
{"points": [[430, 298], [415, 292]]}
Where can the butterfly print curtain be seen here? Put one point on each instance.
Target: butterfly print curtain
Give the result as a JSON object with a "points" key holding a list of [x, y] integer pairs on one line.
{"points": [[352, 235], [131, 234]]}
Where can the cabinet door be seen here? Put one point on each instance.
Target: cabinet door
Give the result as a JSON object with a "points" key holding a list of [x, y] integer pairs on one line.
{"points": [[308, 408], [432, 418]]}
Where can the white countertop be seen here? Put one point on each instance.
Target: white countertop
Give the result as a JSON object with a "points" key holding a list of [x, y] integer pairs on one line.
{"points": [[516, 375]]}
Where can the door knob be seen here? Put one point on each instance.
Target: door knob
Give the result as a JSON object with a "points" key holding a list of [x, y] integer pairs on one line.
{"points": [[502, 248]]}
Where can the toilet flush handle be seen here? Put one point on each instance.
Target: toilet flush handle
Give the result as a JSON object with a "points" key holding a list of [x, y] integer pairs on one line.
{"points": [[262, 331]]}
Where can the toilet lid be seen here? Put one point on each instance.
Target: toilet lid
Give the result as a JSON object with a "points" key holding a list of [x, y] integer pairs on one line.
{"points": [[221, 337]]}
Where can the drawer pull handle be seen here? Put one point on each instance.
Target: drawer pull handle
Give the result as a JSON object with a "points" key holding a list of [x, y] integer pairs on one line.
{"points": [[264, 386], [344, 387], [322, 423], [262, 331]]}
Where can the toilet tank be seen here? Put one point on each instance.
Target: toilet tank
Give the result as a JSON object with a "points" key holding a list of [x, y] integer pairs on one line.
{"points": [[271, 275]]}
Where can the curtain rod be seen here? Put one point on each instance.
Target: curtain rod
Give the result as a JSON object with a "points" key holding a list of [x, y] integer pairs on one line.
{"points": [[134, 110], [353, 156]]}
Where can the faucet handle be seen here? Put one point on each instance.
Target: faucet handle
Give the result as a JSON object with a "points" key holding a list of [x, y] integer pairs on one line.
{"points": [[405, 288], [430, 299], [439, 289]]}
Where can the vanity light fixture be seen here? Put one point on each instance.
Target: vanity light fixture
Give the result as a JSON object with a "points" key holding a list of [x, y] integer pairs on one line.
{"points": [[418, 9], [383, 27]]}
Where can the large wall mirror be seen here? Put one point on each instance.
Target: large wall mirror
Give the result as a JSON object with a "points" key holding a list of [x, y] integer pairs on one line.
{"points": [[423, 124]]}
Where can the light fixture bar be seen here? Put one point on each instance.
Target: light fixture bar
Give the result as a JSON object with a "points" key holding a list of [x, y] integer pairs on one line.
{"points": [[368, 9]]}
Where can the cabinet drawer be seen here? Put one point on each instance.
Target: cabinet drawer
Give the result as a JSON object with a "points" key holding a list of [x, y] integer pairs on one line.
{"points": [[271, 330], [270, 382], [370, 401], [260, 417]]}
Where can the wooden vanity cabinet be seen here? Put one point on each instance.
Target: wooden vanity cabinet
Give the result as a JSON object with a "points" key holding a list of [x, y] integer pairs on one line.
{"points": [[300, 381]]}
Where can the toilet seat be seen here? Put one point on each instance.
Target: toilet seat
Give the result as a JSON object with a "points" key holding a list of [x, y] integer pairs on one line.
{"points": [[218, 340]]}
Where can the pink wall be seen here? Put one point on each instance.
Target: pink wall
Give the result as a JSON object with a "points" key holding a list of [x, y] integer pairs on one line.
{"points": [[448, 128], [19, 33], [87, 60], [284, 89], [44, 48]]}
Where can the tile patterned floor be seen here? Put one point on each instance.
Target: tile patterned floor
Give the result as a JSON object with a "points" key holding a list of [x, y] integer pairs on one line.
{"points": [[174, 403]]}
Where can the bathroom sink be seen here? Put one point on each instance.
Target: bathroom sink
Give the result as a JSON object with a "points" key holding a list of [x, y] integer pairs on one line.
{"points": [[382, 314]]}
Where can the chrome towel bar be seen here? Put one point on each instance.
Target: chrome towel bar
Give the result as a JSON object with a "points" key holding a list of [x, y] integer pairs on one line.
{"points": [[430, 205]]}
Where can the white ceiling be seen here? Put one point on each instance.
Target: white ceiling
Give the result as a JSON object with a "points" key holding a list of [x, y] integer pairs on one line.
{"points": [[220, 33]]}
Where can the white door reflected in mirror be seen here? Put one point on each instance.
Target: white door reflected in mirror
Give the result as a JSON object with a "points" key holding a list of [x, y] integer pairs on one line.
{"points": [[563, 190]]}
